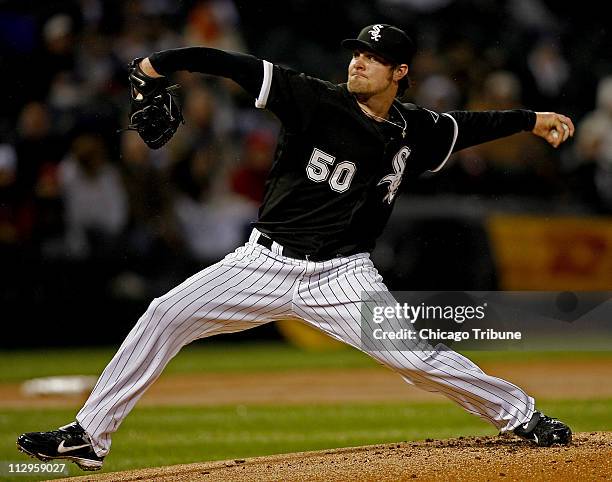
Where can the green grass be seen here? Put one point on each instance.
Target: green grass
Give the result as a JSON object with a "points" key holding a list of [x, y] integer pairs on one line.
{"points": [[209, 356], [197, 358], [163, 436], [170, 435]]}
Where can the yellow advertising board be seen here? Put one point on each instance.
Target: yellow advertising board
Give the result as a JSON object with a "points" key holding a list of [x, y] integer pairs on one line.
{"points": [[552, 253], [306, 337]]}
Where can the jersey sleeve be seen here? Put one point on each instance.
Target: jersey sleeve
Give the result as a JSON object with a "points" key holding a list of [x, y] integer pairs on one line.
{"points": [[438, 134], [478, 127], [244, 69], [292, 96]]}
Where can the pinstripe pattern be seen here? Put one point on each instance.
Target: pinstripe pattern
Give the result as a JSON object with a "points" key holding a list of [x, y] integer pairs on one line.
{"points": [[252, 286]]}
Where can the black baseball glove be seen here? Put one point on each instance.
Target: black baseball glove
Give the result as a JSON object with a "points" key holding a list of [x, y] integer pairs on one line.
{"points": [[155, 107]]}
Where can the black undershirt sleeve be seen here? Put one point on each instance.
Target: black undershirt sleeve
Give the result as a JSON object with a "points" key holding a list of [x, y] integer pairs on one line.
{"points": [[245, 69], [478, 127]]}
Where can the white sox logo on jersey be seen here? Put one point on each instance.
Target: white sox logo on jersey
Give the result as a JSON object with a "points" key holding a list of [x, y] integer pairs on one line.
{"points": [[395, 179], [375, 32]]}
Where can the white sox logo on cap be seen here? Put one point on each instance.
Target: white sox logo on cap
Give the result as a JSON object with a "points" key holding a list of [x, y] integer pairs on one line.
{"points": [[388, 41], [375, 32]]}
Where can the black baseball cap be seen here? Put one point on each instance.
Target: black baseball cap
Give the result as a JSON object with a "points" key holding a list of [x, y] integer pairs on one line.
{"points": [[388, 41]]}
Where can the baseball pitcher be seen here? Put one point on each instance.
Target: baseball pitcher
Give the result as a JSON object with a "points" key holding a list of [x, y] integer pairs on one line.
{"points": [[343, 154]]}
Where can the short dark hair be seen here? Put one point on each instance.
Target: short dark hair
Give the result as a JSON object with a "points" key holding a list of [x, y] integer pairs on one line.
{"points": [[403, 85]]}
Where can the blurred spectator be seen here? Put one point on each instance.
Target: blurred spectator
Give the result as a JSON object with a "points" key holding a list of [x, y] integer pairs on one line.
{"points": [[532, 15], [214, 23], [465, 67], [16, 222], [145, 27], [549, 73], [38, 147], [16, 214], [594, 149], [249, 178], [59, 61], [39, 151], [150, 240], [96, 208], [518, 164], [96, 64], [211, 221], [439, 93], [151, 227], [201, 129], [92, 11]]}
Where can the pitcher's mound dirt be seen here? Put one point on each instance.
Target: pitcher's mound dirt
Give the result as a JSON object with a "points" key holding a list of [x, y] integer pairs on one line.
{"points": [[467, 459]]}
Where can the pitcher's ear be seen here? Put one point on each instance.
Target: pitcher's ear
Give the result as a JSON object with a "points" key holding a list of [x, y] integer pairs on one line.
{"points": [[400, 72]]}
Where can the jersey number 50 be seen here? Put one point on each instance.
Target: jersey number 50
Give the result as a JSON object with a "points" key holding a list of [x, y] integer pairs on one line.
{"points": [[319, 166]]}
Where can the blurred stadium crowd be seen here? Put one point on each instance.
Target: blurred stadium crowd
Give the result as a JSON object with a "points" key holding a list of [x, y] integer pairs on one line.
{"points": [[73, 189]]}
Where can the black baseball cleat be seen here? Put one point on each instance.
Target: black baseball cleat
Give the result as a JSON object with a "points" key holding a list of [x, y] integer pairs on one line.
{"points": [[544, 431], [69, 442]]}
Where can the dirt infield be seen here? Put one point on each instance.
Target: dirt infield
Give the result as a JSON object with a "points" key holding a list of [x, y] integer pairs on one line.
{"points": [[473, 458], [462, 459], [564, 379]]}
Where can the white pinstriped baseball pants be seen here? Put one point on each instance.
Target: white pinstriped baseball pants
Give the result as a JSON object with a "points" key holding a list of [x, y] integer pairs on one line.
{"points": [[254, 285]]}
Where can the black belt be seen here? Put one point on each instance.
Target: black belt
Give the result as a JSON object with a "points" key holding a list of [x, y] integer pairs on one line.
{"points": [[266, 242]]}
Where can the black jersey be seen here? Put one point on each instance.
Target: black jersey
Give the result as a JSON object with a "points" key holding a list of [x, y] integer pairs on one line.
{"points": [[337, 172]]}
